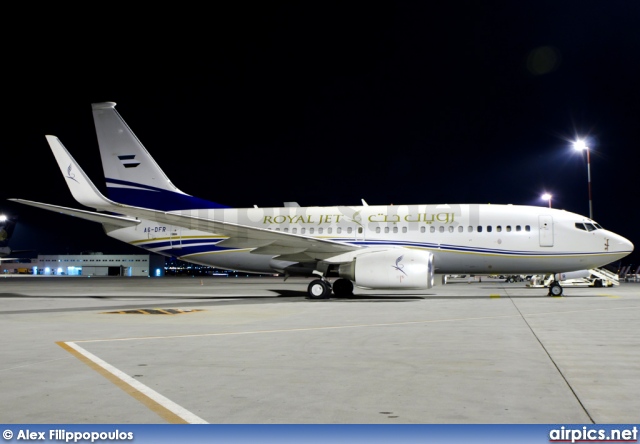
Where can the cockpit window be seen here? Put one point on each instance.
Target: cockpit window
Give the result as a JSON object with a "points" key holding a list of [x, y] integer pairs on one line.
{"points": [[588, 226]]}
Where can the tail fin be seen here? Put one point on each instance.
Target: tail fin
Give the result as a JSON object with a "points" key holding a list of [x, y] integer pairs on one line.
{"points": [[132, 176]]}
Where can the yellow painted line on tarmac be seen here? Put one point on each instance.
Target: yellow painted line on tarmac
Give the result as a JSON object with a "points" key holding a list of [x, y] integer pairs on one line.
{"points": [[164, 407], [155, 311], [492, 296], [613, 296], [163, 311]]}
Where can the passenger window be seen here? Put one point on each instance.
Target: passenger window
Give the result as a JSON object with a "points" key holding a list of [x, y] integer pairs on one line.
{"points": [[339, 230], [422, 229], [310, 230], [508, 228], [377, 229], [470, 229], [479, 228], [349, 230], [395, 229], [386, 229], [286, 230], [460, 228], [360, 230], [498, 228], [441, 229], [450, 229], [489, 228], [404, 229], [320, 230], [329, 230], [294, 230], [518, 228], [432, 229], [303, 230], [527, 228]]}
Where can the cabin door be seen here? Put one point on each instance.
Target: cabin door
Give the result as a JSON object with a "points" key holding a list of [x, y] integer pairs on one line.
{"points": [[546, 231]]}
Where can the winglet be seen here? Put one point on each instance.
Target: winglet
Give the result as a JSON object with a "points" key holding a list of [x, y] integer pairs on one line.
{"points": [[81, 187]]}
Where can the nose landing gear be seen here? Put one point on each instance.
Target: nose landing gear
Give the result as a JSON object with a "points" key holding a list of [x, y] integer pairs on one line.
{"points": [[555, 289]]}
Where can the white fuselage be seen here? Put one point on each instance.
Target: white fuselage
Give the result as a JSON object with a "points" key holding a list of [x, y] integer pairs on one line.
{"points": [[465, 238]]}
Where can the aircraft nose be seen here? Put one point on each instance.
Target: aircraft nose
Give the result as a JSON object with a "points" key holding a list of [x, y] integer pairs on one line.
{"points": [[624, 244], [628, 244]]}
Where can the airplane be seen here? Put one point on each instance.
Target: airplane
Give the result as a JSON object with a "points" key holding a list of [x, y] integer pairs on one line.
{"points": [[6, 229], [396, 247], [7, 225]]}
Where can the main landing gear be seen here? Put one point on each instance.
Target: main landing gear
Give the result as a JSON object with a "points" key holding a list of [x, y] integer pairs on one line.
{"points": [[322, 288]]}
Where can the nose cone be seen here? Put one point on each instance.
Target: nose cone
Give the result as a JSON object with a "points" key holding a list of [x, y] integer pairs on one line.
{"points": [[626, 244], [619, 244], [629, 245]]}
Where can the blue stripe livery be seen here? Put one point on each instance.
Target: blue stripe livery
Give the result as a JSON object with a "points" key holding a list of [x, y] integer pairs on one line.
{"points": [[139, 195]]}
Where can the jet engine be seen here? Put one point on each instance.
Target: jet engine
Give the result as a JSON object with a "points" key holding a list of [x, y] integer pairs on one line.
{"points": [[391, 269]]}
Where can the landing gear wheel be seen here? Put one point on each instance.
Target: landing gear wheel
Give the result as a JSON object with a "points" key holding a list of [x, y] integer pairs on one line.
{"points": [[318, 289], [343, 288], [555, 289], [597, 283]]}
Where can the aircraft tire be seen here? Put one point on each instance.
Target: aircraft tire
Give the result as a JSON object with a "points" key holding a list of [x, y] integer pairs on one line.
{"points": [[318, 289], [555, 289], [343, 288]]}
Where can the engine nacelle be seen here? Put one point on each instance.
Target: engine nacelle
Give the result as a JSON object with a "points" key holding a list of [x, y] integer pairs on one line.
{"points": [[391, 269]]}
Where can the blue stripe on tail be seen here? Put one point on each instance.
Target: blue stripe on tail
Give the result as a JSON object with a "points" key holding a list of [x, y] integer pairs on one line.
{"points": [[146, 196]]}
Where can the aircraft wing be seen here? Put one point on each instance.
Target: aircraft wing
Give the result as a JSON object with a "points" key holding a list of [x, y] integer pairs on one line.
{"points": [[120, 221], [260, 240], [263, 241]]}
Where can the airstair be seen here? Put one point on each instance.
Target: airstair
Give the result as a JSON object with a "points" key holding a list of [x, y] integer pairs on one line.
{"points": [[595, 277], [606, 277]]}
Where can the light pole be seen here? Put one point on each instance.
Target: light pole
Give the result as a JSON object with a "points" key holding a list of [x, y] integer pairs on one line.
{"points": [[547, 196], [580, 146]]}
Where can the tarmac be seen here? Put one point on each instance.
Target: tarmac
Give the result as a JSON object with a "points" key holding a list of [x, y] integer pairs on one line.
{"points": [[86, 350]]}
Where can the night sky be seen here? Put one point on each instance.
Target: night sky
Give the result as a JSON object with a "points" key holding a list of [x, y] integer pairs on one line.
{"points": [[329, 103]]}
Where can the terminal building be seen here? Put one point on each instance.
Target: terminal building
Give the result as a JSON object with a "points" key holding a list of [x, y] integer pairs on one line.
{"points": [[94, 264]]}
